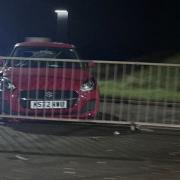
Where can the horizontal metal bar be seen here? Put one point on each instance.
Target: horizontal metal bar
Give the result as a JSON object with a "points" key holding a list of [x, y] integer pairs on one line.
{"points": [[63, 119], [156, 125], [43, 59], [95, 61], [128, 123]]}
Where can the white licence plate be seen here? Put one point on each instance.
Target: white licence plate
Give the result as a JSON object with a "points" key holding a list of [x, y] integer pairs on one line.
{"points": [[48, 104]]}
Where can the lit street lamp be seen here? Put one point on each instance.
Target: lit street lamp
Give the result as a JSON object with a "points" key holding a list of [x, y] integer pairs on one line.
{"points": [[62, 23]]}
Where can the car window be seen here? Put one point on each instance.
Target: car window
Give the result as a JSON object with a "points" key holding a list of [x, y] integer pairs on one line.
{"points": [[42, 64], [40, 52], [45, 52]]}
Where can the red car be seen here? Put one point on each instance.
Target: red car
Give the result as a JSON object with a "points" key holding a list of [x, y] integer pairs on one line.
{"points": [[44, 86]]}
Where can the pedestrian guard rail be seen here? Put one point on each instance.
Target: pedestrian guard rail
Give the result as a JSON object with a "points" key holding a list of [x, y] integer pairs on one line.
{"points": [[123, 92]]}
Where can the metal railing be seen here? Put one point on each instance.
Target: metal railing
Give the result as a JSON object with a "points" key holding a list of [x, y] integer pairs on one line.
{"points": [[73, 90]]}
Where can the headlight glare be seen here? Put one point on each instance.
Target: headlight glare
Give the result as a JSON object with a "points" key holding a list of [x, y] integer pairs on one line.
{"points": [[6, 84], [88, 85]]}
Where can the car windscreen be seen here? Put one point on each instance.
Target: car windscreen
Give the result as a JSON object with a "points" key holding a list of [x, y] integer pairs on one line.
{"points": [[42, 64], [45, 52], [41, 52]]}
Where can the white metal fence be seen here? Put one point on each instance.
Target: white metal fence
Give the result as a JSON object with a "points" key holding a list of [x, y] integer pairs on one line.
{"points": [[98, 92]]}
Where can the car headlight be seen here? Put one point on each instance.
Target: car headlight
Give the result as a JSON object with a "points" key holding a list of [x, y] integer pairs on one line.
{"points": [[6, 84], [88, 85]]}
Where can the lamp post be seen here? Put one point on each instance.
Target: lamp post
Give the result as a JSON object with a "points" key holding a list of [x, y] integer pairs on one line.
{"points": [[62, 23]]}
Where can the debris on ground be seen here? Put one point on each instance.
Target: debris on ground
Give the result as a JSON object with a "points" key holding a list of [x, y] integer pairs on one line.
{"points": [[20, 157], [116, 133]]}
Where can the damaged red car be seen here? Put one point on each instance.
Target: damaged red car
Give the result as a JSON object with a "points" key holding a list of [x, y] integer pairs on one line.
{"points": [[46, 79]]}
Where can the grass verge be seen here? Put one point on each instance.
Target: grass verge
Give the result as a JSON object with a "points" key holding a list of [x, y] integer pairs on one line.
{"points": [[151, 83]]}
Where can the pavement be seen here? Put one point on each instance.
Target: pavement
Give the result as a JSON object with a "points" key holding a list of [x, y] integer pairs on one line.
{"points": [[64, 151], [140, 112]]}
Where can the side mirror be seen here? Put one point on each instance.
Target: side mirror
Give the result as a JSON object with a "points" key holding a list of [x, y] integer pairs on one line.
{"points": [[91, 65], [1, 62]]}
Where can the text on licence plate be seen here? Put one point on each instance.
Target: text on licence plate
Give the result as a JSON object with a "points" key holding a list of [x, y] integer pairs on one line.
{"points": [[48, 104]]}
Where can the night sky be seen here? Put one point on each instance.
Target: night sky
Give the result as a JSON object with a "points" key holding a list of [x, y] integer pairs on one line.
{"points": [[109, 29]]}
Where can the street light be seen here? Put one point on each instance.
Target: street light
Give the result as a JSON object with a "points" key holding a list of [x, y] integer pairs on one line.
{"points": [[62, 23], [61, 12]]}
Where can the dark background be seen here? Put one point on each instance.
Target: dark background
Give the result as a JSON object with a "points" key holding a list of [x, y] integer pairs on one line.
{"points": [[109, 29]]}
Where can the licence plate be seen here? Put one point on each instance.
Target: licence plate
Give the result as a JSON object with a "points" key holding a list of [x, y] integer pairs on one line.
{"points": [[48, 104]]}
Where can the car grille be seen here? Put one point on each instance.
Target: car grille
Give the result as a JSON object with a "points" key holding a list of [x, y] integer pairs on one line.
{"points": [[27, 96]]}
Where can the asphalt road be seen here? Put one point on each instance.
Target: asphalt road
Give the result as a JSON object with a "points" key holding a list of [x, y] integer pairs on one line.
{"points": [[65, 151]]}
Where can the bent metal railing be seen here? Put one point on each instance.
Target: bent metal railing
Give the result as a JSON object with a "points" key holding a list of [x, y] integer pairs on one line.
{"points": [[66, 90]]}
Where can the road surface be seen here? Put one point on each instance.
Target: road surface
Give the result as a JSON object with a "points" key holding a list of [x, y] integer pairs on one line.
{"points": [[51, 151]]}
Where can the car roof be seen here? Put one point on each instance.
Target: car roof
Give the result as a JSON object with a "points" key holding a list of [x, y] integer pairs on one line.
{"points": [[45, 44]]}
